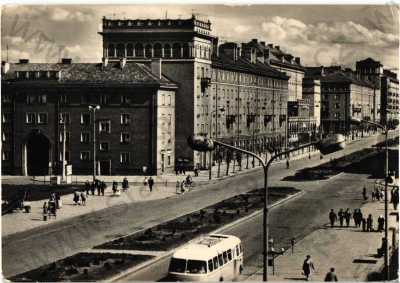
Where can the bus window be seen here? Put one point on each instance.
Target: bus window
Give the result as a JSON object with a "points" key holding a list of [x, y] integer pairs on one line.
{"points": [[215, 261], [237, 250], [177, 265], [225, 257], [210, 265], [230, 254], [196, 266], [220, 260]]}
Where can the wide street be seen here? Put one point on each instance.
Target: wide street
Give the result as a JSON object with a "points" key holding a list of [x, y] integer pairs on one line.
{"points": [[27, 250]]}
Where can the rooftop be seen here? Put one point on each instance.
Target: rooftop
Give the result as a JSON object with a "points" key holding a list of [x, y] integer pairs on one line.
{"points": [[85, 73], [341, 76]]}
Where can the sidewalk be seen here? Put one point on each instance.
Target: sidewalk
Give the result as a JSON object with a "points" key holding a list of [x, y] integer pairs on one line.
{"points": [[349, 250]]}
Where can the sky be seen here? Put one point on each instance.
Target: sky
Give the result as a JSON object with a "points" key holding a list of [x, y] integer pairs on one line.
{"points": [[319, 34]]}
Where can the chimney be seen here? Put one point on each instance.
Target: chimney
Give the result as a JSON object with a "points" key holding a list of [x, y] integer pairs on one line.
{"points": [[122, 62], [254, 40], [156, 67], [297, 60], [230, 49], [105, 62], [262, 43], [5, 67], [277, 47], [67, 61], [23, 61], [270, 45]]}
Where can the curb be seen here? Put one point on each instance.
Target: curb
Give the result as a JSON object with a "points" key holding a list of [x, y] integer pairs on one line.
{"points": [[225, 227]]}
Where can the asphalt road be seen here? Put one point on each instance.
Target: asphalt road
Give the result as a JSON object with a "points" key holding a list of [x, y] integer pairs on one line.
{"points": [[30, 249]]}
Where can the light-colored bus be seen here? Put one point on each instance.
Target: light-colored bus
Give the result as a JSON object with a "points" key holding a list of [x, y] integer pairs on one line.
{"points": [[215, 257]]}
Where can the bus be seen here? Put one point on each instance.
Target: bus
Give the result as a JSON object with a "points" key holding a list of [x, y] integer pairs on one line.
{"points": [[215, 257]]}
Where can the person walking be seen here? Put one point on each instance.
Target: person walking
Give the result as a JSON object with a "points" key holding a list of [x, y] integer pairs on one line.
{"points": [[93, 188], [287, 164], [76, 198], [381, 223], [114, 187], [98, 185], [45, 211], [365, 193], [87, 187], [331, 275], [373, 195], [332, 217], [370, 223], [308, 267], [341, 217], [151, 183], [347, 216], [83, 198], [364, 224], [103, 187], [395, 199], [125, 184], [177, 187]]}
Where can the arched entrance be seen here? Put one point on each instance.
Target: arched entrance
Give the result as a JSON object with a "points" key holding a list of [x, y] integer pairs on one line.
{"points": [[37, 154]]}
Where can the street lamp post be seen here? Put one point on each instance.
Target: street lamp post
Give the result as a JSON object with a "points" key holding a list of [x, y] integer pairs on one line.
{"points": [[93, 110], [204, 144]]}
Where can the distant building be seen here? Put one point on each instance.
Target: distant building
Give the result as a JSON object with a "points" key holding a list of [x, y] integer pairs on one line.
{"points": [[134, 127], [390, 98], [252, 95], [312, 96]]}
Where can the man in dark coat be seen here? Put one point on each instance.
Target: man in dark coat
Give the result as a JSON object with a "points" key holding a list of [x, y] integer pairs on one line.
{"points": [[341, 217], [347, 215], [331, 276], [151, 183], [332, 218]]}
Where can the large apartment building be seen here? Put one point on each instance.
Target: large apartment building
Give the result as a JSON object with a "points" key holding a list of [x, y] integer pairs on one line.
{"points": [[134, 127]]}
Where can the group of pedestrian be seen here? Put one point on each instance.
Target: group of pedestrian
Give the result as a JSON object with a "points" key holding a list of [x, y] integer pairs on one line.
{"points": [[149, 182], [358, 218], [96, 185], [180, 169], [377, 194], [184, 185], [50, 207], [309, 269], [79, 198]]}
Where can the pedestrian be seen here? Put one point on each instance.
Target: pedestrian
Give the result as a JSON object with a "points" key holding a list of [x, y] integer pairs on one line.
{"points": [[98, 187], [53, 210], [151, 183], [196, 172], [332, 217], [355, 217], [347, 216], [102, 187], [183, 170], [176, 170], [178, 186], [382, 193], [395, 199], [341, 217], [364, 224], [114, 187], [189, 180], [76, 198], [373, 195], [377, 194], [308, 267], [381, 223], [183, 187], [145, 181], [331, 275], [45, 211], [83, 198], [365, 193], [92, 188], [87, 187], [360, 217], [125, 184], [287, 164], [370, 223]]}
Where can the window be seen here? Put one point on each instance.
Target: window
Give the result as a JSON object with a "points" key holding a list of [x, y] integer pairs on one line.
{"points": [[64, 118], [125, 99], [105, 126], [30, 118], [220, 260], [30, 99], [169, 100], [337, 97], [229, 254], [125, 158], [177, 265], [66, 156], [85, 155], [103, 99], [67, 136], [85, 119], [6, 99], [125, 138], [63, 99], [169, 160], [210, 265], [215, 262], [3, 137], [6, 118], [42, 99], [85, 99], [196, 266], [6, 155], [125, 119], [337, 105], [42, 118], [225, 257], [104, 146], [85, 137]]}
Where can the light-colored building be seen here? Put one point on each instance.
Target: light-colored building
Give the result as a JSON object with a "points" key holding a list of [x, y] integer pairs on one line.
{"points": [[312, 96]]}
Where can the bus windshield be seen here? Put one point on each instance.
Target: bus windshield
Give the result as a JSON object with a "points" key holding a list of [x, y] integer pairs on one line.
{"points": [[196, 266], [177, 265]]}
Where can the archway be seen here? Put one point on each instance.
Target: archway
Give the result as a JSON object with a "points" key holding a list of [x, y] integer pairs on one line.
{"points": [[37, 154]]}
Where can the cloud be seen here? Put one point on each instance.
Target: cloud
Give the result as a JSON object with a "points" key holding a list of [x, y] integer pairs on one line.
{"points": [[61, 14]]}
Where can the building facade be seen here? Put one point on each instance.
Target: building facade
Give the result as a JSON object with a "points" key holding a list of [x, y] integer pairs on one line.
{"points": [[134, 127], [210, 77], [390, 98], [312, 96]]}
